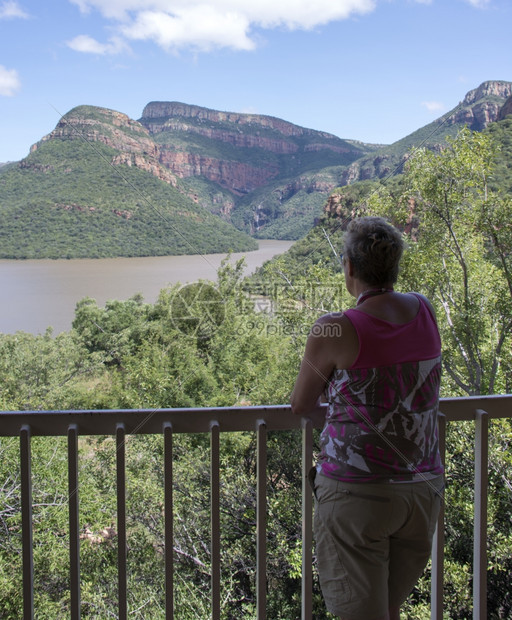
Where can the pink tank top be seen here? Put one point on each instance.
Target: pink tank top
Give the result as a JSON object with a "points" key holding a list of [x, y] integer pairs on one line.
{"points": [[381, 424], [382, 343]]}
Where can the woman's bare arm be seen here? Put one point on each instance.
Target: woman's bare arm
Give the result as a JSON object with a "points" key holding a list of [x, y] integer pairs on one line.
{"points": [[315, 370]]}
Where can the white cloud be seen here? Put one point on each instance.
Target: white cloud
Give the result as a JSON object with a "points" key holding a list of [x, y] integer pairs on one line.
{"points": [[479, 4], [10, 9], [200, 27], [85, 43], [207, 24], [433, 106], [9, 82]]}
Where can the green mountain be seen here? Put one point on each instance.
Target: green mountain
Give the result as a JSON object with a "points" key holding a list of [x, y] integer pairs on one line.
{"points": [[94, 188], [271, 178], [317, 245]]}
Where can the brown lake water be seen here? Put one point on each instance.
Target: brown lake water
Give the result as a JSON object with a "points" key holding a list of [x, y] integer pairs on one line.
{"points": [[37, 294]]}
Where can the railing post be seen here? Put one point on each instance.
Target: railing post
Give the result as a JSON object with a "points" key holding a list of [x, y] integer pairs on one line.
{"points": [[437, 577], [26, 522], [169, 521], [307, 521], [480, 523], [261, 521], [74, 531], [215, 517], [121, 519]]}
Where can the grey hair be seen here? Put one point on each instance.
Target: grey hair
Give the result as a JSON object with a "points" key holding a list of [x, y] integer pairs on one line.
{"points": [[374, 248]]}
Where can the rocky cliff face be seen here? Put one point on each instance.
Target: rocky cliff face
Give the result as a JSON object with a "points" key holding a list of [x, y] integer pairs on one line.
{"points": [[147, 164], [252, 137], [237, 177], [238, 140], [482, 105], [371, 167], [492, 88], [340, 208], [108, 126], [506, 109]]}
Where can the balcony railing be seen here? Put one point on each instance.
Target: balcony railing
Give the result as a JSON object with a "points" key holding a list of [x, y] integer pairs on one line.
{"points": [[260, 420]]}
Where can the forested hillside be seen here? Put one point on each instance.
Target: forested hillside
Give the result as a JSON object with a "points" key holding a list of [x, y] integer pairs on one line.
{"points": [[79, 195]]}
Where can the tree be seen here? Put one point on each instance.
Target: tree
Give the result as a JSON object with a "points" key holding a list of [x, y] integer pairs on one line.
{"points": [[460, 254], [44, 371]]}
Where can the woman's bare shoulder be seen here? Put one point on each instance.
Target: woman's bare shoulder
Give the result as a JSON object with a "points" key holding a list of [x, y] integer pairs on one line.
{"points": [[331, 318], [426, 301], [334, 335]]}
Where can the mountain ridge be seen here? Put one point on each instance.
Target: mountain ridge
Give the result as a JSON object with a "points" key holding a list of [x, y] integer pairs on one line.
{"points": [[167, 109], [259, 174]]}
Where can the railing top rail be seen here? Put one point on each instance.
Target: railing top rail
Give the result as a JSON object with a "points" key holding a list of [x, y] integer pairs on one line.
{"points": [[197, 420], [150, 421], [465, 407]]}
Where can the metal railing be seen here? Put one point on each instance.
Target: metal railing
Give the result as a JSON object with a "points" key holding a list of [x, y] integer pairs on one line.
{"points": [[214, 421]]}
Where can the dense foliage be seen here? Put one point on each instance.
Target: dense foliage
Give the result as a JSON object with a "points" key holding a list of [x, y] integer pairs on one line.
{"points": [[173, 353]]}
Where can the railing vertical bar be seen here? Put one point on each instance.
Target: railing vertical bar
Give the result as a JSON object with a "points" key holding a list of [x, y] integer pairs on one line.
{"points": [[26, 522], [261, 521], [437, 578], [121, 519], [74, 535], [480, 523], [215, 517], [307, 521], [169, 521]]}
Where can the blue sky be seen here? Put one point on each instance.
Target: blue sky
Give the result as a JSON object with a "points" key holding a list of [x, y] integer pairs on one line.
{"points": [[370, 70]]}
